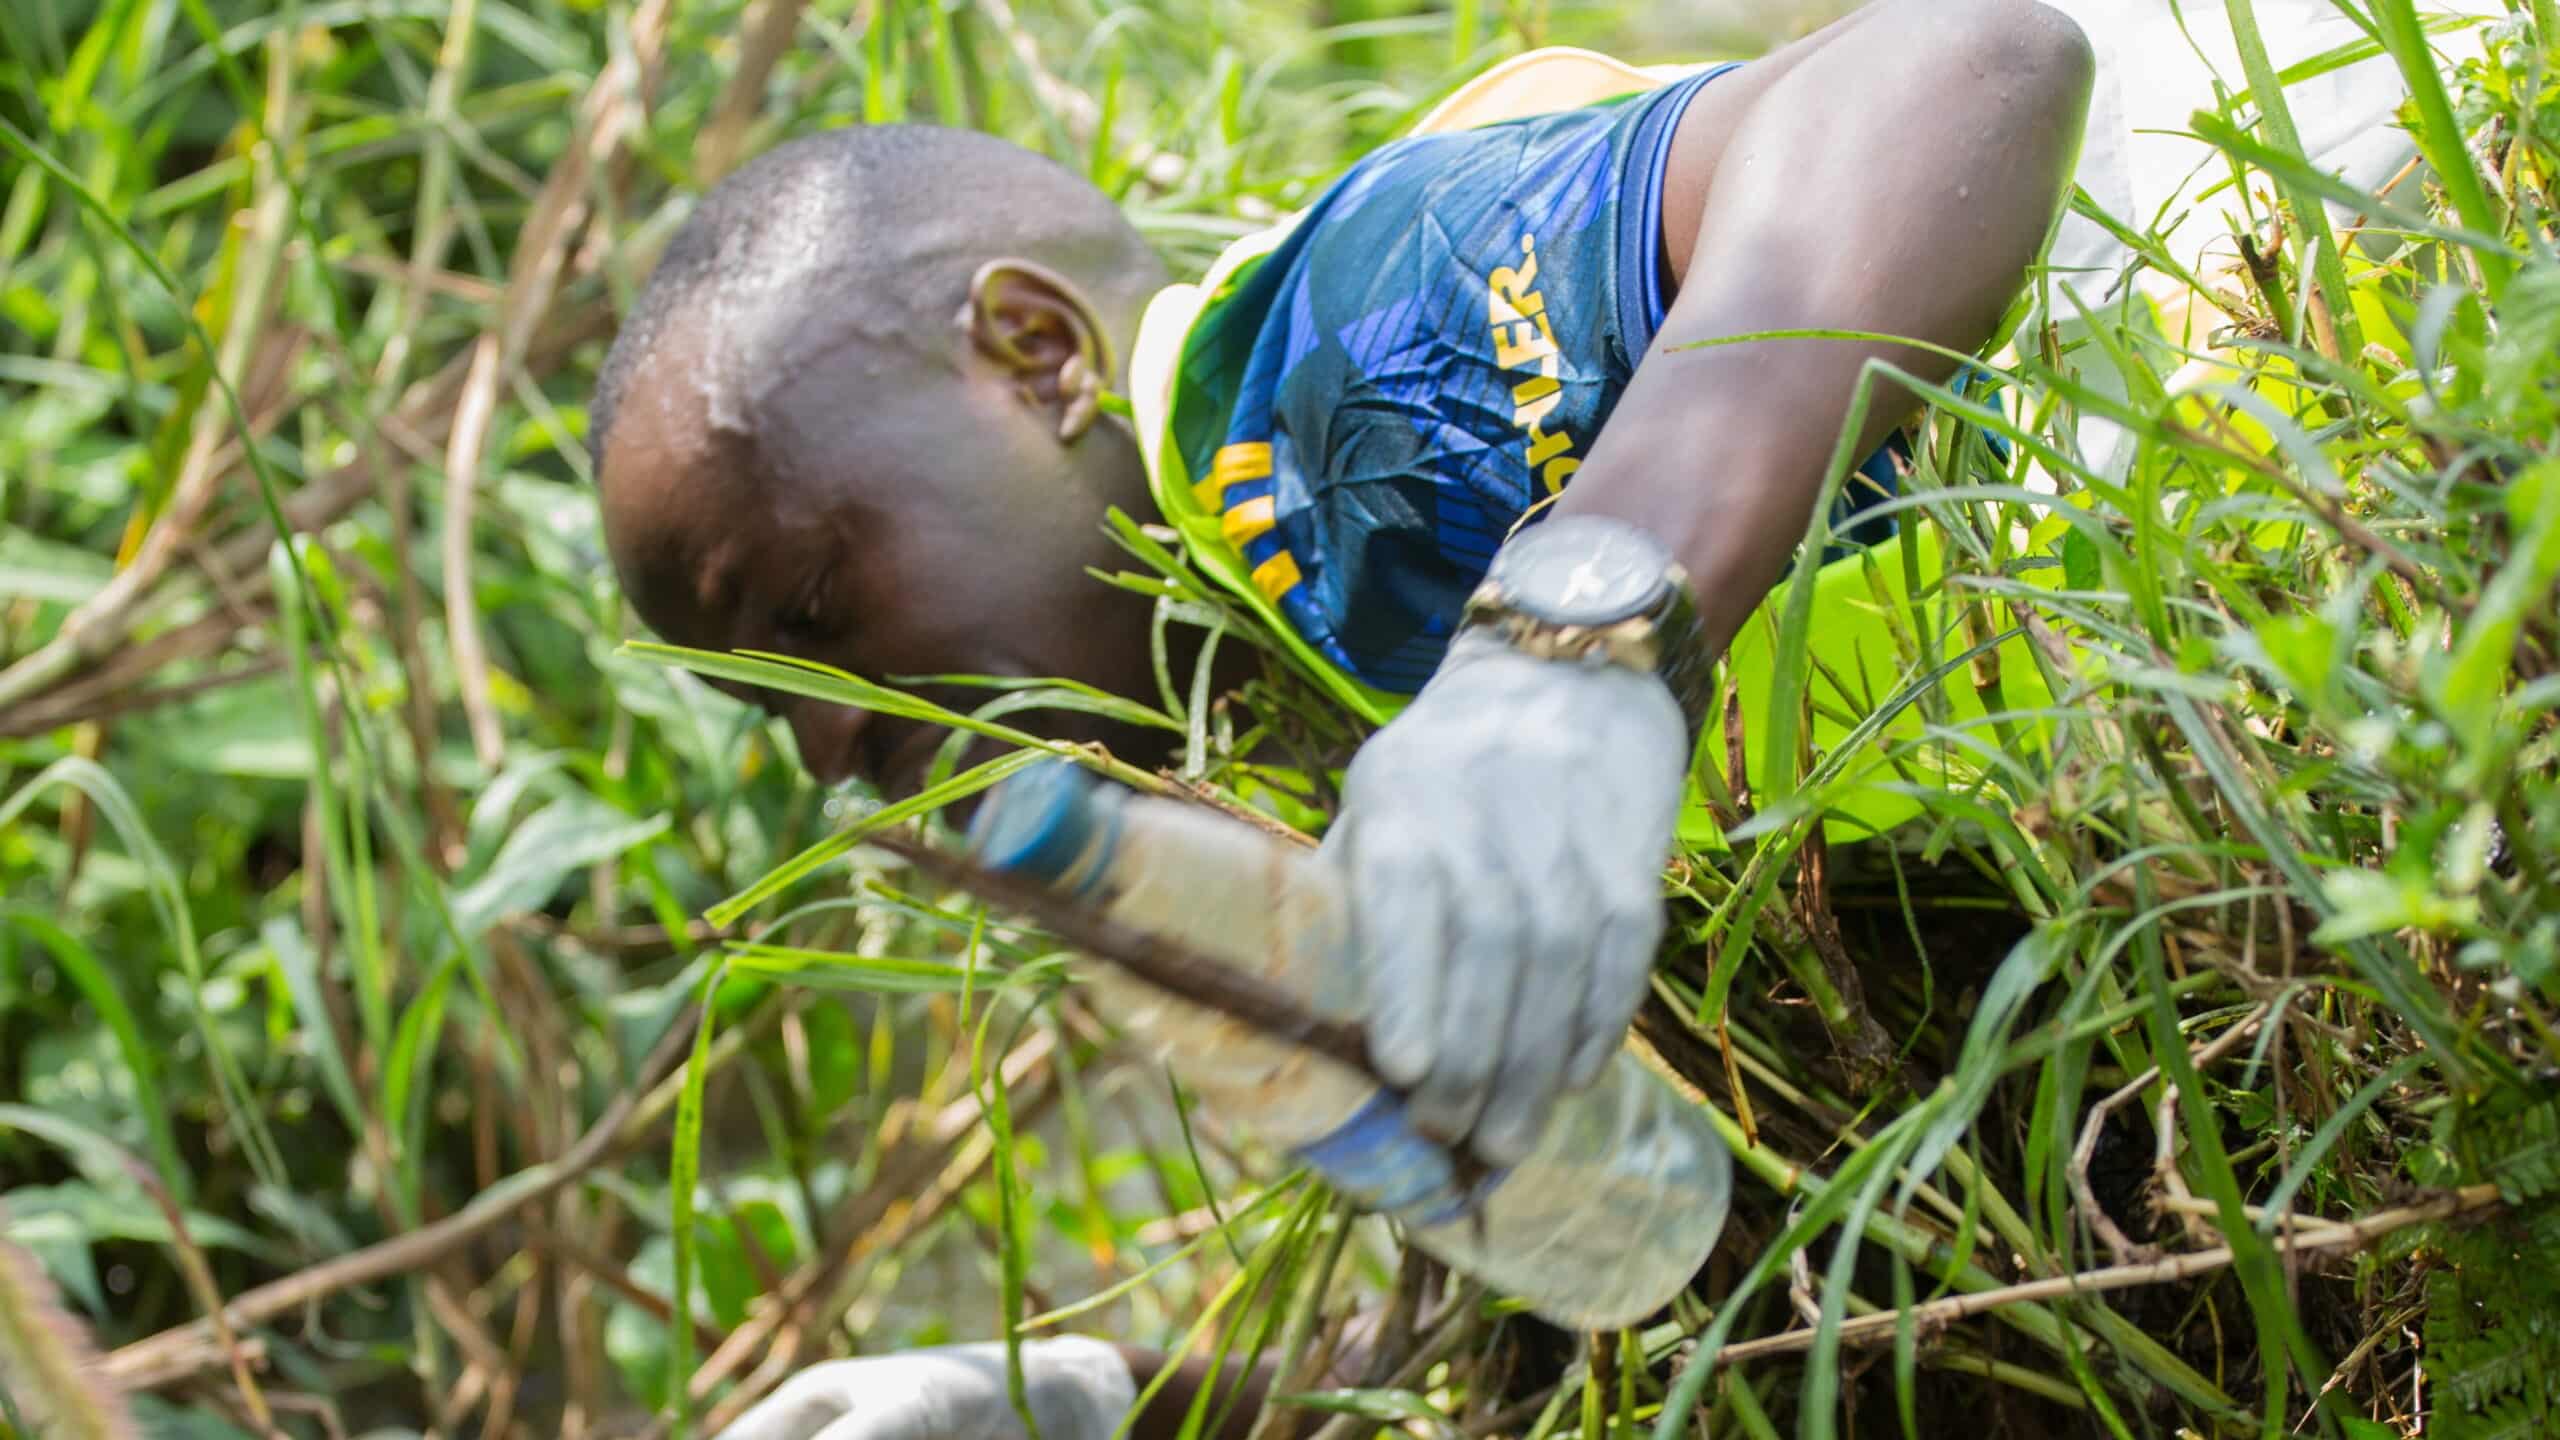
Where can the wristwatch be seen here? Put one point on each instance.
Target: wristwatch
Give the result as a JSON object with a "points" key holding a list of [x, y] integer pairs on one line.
{"points": [[1592, 589]]}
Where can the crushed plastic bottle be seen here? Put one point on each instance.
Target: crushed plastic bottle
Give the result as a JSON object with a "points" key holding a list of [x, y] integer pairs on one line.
{"points": [[1607, 1219]]}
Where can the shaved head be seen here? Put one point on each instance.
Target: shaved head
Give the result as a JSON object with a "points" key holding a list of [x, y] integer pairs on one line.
{"points": [[853, 418], [873, 233]]}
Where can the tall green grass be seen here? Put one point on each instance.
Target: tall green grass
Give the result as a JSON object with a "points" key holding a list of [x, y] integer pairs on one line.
{"points": [[370, 942]]}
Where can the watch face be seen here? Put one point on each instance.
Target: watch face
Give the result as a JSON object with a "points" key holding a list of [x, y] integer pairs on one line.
{"points": [[1583, 571]]}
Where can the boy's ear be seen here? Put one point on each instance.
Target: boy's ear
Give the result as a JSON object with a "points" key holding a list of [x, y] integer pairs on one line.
{"points": [[1038, 327]]}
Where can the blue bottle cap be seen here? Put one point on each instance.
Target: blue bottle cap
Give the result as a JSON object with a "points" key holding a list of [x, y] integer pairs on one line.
{"points": [[1038, 823]]}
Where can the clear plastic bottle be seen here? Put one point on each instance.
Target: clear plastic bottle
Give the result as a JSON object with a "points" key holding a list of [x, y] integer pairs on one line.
{"points": [[1607, 1219]]}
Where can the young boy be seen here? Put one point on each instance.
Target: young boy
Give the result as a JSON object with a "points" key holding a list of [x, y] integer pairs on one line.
{"points": [[857, 417]]}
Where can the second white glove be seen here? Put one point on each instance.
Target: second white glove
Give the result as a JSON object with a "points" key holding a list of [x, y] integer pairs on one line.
{"points": [[1078, 1389]]}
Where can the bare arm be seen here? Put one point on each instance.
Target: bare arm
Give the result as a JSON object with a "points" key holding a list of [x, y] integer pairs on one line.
{"points": [[1893, 173]]}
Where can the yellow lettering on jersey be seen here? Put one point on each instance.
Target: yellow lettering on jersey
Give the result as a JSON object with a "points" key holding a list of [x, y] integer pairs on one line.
{"points": [[1544, 447], [1524, 339], [1512, 297], [1523, 342]]}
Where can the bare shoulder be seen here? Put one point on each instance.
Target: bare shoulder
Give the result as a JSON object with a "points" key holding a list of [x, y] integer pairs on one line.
{"points": [[2040, 55]]}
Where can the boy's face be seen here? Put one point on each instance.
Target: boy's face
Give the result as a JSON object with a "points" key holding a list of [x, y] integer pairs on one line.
{"points": [[892, 510]]}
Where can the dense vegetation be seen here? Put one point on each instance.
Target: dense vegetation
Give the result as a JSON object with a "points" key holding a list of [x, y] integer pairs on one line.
{"points": [[389, 950]]}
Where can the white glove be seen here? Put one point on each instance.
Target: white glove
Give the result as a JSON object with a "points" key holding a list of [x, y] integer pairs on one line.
{"points": [[1079, 1389], [1501, 843]]}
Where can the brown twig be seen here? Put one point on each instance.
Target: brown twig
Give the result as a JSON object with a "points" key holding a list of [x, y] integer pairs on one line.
{"points": [[451, 284], [319, 1407], [765, 38], [2127, 1250], [461, 607], [181, 1350], [529, 1328], [1395, 1330], [97, 687], [107, 702], [1510, 1417], [201, 1284], [1880, 1327], [485, 1365], [1800, 1277], [610, 1273], [2164, 1167], [1860, 1039]]}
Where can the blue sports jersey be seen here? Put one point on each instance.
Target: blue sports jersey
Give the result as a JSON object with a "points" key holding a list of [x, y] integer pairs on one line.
{"points": [[1428, 354]]}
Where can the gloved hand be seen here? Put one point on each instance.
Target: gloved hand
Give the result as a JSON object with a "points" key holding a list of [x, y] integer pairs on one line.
{"points": [[1079, 1389], [1501, 844]]}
